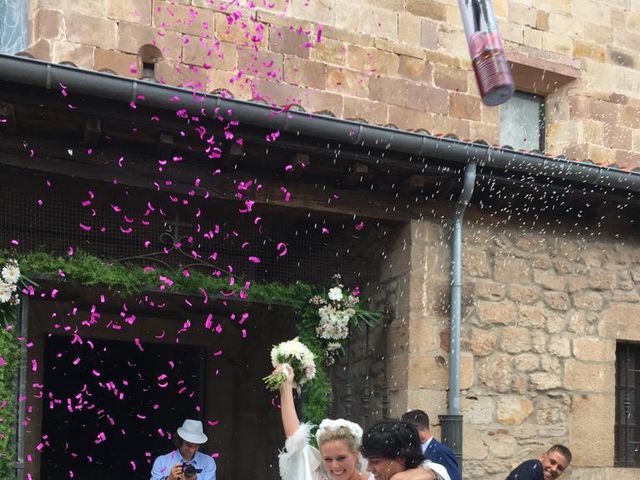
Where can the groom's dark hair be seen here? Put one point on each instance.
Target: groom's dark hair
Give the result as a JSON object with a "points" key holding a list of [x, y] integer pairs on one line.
{"points": [[393, 439]]}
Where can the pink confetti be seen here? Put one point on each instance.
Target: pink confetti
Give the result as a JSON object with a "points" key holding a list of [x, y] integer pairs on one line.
{"points": [[282, 249]]}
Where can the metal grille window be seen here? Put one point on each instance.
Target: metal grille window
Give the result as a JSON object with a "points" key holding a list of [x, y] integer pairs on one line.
{"points": [[13, 25], [627, 431], [522, 122]]}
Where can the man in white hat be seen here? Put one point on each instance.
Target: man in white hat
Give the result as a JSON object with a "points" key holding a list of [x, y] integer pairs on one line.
{"points": [[186, 462]]}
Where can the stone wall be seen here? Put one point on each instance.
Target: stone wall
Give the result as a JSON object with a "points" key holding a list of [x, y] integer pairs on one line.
{"points": [[542, 313], [386, 61]]}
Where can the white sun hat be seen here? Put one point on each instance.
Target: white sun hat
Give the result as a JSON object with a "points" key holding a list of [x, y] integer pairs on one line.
{"points": [[191, 431]]}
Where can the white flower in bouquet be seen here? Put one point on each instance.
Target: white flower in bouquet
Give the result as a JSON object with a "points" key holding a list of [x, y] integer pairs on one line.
{"points": [[296, 355], [335, 294], [11, 272], [5, 292]]}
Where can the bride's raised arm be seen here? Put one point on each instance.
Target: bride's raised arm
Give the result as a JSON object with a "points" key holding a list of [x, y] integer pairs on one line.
{"points": [[290, 421]]}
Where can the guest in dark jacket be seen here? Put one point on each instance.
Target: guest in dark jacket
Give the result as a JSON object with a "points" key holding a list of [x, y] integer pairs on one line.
{"points": [[549, 466], [431, 448]]}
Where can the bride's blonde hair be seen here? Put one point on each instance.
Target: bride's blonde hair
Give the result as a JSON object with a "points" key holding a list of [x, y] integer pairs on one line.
{"points": [[340, 429]]}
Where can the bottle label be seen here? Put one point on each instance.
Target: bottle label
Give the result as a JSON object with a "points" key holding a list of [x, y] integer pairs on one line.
{"points": [[481, 42]]}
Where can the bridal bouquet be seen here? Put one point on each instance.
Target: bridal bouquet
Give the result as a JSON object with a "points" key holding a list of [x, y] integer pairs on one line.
{"points": [[295, 354]]}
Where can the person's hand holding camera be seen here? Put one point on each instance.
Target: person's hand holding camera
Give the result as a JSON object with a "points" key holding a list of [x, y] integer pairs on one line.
{"points": [[183, 471]]}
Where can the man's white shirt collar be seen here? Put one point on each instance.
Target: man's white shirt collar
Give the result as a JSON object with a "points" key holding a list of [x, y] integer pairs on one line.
{"points": [[426, 444]]}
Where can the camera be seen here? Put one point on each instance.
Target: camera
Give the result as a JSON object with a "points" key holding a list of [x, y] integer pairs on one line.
{"points": [[189, 471]]}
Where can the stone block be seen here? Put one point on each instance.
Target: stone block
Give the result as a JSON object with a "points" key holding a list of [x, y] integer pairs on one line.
{"points": [[474, 443], [543, 381], [526, 362], [559, 346], [289, 42], [588, 301], [359, 108], [450, 79], [261, 64], [511, 270], [434, 402], [194, 21], [389, 90], [427, 371], [533, 316], [495, 372], [399, 48], [483, 342], [415, 69], [466, 370], [242, 34], [407, 118], [118, 62], [617, 321], [372, 61], [409, 28], [549, 279], [218, 55], [319, 11], [307, 73], [378, 22], [465, 106], [557, 300], [181, 75], [426, 98], [135, 11], [594, 349], [513, 410], [501, 444], [489, 290], [49, 24], [132, 36], [550, 412], [428, 8], [526, 294], [89, 30], [79, 55], [589, 377], [475, 262], [329, 51], [591, 435], [41, 50], [515, 340], [496, 313], [478, 410], [217, 79]]}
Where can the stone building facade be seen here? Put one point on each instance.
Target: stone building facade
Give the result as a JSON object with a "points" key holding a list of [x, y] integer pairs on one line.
{"points": [[544, 305]]}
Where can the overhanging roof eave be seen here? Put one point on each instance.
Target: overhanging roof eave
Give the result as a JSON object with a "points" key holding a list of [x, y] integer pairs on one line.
{"points": [[26, 71]]}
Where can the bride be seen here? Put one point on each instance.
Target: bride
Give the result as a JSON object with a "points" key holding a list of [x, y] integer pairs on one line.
{"points": [[338, 457]]}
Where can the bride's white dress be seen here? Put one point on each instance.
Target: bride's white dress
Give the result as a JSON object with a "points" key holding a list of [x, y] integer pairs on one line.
{"points": [[301, 461]]}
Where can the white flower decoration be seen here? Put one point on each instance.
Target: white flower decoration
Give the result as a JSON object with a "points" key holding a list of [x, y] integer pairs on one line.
{"points": [[335, 294], [11, 272]]}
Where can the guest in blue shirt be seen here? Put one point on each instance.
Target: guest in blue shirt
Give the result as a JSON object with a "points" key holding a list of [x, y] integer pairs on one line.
{"points": [[190, 437], [431, 448]]}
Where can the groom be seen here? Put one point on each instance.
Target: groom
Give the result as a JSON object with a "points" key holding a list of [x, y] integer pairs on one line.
{"points": [[392, 449]]}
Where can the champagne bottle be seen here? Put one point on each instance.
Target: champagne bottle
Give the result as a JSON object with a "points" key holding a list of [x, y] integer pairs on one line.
{"points": [[490, 65]]}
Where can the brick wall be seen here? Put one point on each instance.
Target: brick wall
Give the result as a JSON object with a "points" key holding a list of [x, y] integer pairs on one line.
{"points": [[391, 61]]}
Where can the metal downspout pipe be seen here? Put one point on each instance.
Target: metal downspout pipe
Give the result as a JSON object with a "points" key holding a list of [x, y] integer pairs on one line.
{"points": [[452, 422]]}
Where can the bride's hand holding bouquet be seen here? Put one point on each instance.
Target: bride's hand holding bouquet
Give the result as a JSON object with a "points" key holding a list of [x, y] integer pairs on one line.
{"points": [[294, 365]]}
